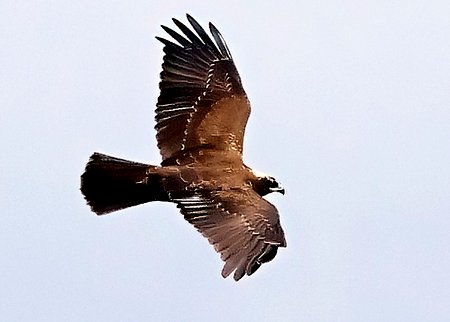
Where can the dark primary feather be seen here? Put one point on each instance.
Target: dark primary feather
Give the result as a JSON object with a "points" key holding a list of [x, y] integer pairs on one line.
{"points": [[183, 41], [197, 73], [203, 35], [188, 33], [220, 41]]}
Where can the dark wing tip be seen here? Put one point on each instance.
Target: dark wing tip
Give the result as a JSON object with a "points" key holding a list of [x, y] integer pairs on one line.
{"points": [[188, 16], [268, 253], [183, 41], [168, 43], [202, 33], [199, 37], [243, 267], [188, 32], [220, 41]]}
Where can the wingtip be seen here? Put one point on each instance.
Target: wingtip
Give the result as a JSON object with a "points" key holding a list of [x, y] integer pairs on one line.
{"points": [[191, 20], [220, 41], [214, 29], [225, 273], [239, 273], [164, 41], [236, 276], [189, 17], [211, 26]]}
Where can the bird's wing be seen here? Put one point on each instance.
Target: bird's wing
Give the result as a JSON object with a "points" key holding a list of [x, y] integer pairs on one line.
{"points": [[242, 226], [202, 104]]}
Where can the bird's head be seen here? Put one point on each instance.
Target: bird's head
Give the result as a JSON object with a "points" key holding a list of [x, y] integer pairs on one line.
{"points": [[265, 184]]}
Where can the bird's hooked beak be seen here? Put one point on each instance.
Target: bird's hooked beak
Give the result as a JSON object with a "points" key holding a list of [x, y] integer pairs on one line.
{"points": [[278, 189]]}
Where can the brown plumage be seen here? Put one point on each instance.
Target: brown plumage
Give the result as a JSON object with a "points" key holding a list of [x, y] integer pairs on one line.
{"points": [[200, 118]]}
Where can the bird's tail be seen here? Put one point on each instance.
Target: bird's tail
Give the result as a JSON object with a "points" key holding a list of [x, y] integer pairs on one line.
{"points": [[109, 184]]}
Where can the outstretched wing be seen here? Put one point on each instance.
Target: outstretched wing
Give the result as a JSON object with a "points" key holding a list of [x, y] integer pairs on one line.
{"points": [[202, 104], [243, 227]]}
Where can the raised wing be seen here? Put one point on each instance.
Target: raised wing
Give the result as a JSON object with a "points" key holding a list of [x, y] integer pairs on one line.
{"points": [[202, 104], [243, 227]]}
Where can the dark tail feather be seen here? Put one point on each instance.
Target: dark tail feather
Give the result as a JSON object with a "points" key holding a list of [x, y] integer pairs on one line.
{"points": [[109, 184]]}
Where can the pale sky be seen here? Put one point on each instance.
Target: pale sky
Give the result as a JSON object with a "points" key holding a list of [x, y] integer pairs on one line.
{"points": [[350, 111]]}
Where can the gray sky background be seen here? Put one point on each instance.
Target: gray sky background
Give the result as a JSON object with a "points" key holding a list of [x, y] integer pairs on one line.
{"points": [[351, 112]]}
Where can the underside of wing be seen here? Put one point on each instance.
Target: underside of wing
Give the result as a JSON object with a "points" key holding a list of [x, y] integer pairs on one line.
{"points": [[243, 227], [202, 103]]}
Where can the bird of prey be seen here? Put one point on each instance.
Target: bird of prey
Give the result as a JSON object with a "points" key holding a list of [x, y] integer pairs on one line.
{"points": [[201, 114]]}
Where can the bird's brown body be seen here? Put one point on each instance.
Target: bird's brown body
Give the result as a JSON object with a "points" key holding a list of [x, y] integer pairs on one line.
{"points": [[200, 118]]}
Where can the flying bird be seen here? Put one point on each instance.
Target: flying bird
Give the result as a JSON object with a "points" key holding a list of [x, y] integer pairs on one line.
{"points": [[201, 114]]}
